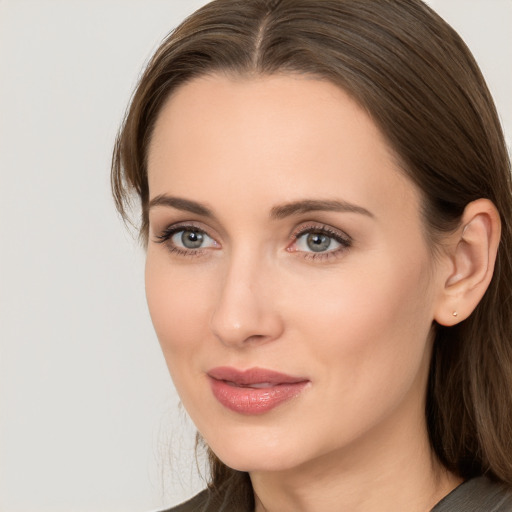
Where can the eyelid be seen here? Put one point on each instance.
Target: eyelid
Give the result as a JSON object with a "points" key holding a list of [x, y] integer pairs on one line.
{"points": [[175, 227], [319, 227]]}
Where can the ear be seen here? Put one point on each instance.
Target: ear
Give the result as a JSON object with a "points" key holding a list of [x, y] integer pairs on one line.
{"points": [[471, 255]]}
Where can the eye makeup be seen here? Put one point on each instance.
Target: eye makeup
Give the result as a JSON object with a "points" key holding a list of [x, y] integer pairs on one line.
{"points": [[313, 241], [319, 242], [186, 240]]}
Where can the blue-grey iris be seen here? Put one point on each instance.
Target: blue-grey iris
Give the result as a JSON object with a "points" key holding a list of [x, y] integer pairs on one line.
{"points": [[318, 242], [192, 239]]}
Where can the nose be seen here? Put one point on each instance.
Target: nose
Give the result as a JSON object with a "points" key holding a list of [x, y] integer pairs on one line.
{"points": [[246, 311]]}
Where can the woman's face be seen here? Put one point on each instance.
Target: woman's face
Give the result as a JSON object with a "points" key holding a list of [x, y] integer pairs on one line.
{"points": [[285, 241]]}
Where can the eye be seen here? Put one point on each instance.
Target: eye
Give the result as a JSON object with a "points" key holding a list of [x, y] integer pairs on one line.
{"points": [[316, 242], [191, 239], [186, 239], [319, 241]]}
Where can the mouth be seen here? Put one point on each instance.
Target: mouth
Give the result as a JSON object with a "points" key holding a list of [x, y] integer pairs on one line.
{"points": [[254, 391]]}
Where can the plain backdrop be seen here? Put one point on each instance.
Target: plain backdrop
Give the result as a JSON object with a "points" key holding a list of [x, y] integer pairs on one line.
{"points": [[89, 420]]}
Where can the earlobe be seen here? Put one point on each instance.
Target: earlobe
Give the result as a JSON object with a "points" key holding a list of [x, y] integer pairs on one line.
{"points": [[472, 256]]}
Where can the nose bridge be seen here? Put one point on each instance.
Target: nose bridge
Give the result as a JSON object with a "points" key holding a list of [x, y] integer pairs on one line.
{"points": [[244, 312]]}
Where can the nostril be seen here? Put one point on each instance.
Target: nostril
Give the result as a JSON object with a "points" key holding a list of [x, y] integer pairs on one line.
{"points": [[256, 338]]}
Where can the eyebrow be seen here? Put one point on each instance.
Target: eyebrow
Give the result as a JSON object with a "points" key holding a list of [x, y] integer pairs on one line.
{"points": [[276, 213], [314, 205], [180, 204]]}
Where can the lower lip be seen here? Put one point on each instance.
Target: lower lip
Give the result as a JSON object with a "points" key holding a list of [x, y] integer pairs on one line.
{"points": [[244, 400]]}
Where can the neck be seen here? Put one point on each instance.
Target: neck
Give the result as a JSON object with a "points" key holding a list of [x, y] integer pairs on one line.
{"points": [[414, 482], [389, 470]]}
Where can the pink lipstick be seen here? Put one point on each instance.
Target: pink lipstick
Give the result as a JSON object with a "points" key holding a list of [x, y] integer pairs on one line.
{"points": [[253, 391]]}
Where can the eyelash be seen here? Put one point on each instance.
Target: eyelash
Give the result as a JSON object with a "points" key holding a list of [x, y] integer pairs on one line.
{"points": [[169, 232], [344, 240]]}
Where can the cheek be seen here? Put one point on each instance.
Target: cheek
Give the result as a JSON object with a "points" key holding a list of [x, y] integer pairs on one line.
{"points": [[178, 305], [179, 310], [370, 319]]}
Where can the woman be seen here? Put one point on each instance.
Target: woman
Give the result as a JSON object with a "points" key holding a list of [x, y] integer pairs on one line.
{"points": [[326, 206]]}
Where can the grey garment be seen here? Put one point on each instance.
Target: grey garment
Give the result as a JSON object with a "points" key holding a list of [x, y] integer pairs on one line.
{"points": [[475, 495], [207, 501], [198, 503]]}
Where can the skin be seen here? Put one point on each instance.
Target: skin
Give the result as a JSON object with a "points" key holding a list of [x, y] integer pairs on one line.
{"points": [[355, 321]]}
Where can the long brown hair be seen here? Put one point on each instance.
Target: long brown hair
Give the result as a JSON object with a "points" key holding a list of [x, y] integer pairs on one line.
{"points": [[419, 82]]}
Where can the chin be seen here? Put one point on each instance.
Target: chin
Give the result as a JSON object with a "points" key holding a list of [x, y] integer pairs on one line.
{"points": [[250, 454], [262, 462]]}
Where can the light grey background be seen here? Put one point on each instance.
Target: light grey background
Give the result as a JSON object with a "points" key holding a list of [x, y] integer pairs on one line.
{"points": [[89, 420]]}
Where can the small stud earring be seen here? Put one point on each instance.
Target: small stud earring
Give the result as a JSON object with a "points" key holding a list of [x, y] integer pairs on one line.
{"points": [[455, 313]]}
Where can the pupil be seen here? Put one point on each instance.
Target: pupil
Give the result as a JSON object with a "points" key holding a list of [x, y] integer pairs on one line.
{"points": [[192, 239], [318, 242]]}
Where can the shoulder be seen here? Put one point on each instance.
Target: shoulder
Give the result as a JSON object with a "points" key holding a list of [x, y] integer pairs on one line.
{"points": [[477, 495], [196, 504], [211, 501], [207, 501]]}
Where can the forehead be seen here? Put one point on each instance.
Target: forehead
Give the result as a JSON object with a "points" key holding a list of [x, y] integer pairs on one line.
{"points": [[272, 137]]}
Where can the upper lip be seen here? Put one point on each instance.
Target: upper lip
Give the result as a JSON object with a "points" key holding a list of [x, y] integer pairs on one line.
{"points": [[253, 376]]}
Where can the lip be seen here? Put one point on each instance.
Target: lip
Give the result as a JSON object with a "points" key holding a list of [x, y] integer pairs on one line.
{"points": [[253, 391]]}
